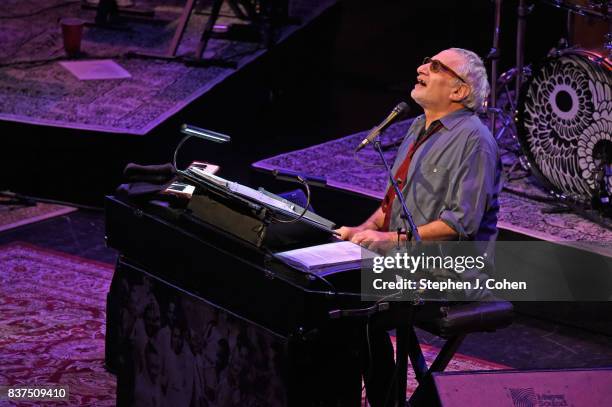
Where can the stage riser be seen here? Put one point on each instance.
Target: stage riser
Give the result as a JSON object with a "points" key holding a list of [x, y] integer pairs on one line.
{"points": [[595, 316], [251, 105]]}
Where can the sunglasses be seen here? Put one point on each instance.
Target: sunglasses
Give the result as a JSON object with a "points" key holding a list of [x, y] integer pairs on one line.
{"points": [[437, 66]]}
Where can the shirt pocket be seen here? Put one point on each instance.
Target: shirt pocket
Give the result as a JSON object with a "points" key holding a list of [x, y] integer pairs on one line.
{"points": [[429, 188], [434, 178]]}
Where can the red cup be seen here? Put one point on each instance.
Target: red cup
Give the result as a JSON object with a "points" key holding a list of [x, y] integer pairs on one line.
{"points": [[72, 31]]}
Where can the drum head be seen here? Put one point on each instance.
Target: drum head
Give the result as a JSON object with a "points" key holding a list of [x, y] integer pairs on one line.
{"points": [[565, 123]]}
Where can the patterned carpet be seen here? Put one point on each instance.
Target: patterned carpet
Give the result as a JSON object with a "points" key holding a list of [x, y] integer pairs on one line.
{"points": [[47, 94], [12, 216], [459, 363], [53, 325], [524, 204]]}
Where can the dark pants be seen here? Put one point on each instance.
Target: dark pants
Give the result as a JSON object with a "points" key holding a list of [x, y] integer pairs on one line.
{"points": [[378, 367], [378, 362]]}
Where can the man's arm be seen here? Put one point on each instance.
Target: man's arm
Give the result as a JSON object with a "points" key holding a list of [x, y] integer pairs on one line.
{"points": [[369, 231], [437, 231]]}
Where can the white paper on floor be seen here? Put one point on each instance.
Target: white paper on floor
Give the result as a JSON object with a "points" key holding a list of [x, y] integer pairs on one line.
{"points": [[96, 70]]}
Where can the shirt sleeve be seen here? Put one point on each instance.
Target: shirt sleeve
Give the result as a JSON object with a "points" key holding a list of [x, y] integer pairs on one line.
{"points": [[471, 190]]}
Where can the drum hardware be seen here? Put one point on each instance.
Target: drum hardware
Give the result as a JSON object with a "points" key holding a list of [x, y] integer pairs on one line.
{"points": [[505, 130], [601, 9], [608, 44], [493, 56], [559, 112], [521, 26], [602, 199], [524, 163], [564, 126]]}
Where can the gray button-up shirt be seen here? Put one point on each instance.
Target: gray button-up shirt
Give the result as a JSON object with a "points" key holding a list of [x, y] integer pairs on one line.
{"points": [[454, 176]]}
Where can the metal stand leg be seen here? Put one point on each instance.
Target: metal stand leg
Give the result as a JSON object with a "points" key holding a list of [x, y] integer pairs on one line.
{"points": [[521, 26], [106, 9], [404, 336], [180, 29], [208, 29], [107, 12], [170, 53], [494, 56]]}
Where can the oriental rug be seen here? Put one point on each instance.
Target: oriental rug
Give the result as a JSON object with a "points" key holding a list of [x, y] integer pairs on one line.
{"points": [[52, 323], [12, 216]]}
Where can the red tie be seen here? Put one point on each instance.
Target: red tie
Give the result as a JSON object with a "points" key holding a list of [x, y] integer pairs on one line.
{"points": [[402, 173]]}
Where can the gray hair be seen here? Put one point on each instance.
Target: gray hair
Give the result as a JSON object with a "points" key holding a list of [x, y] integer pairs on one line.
{"points": [[475, 74]]}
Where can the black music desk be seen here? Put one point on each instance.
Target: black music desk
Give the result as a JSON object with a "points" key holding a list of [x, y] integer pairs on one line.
{"points": [[196, 316]]}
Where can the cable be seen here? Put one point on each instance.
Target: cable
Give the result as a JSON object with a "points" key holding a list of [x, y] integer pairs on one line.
{"points": [[33, 62], [19, 196], [364, 163], [303, 181], [126, 55], [533, 197], [33, 13], [60, 58], [240, 54], [368, 377], [178, 146]]}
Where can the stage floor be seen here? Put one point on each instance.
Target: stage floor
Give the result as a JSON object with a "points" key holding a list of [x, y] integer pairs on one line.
{"points": [[36, 89], [529, 343]]}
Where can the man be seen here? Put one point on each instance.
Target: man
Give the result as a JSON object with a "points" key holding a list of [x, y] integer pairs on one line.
{"points": [[449, 171], [180, 368], [453, 176]]}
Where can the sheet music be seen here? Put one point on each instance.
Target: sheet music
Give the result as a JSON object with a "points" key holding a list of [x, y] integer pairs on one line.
{"points": [[336, 256]]}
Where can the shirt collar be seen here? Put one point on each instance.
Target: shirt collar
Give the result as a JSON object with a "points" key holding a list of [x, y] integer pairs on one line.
{"points": [[452, 119]]}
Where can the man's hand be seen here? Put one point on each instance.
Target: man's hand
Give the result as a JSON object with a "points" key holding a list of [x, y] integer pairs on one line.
{"points": [[373, 223], [347, 232], [374, 240]]}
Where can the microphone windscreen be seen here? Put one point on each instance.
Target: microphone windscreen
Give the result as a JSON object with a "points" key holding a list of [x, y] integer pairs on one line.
{"points": [[402, 109]]}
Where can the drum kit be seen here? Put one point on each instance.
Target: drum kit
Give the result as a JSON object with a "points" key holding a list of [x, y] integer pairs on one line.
{"points": [[561, 110]]}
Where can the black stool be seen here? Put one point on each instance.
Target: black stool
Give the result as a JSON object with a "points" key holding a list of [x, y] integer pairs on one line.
{"points": [[451, 322]]}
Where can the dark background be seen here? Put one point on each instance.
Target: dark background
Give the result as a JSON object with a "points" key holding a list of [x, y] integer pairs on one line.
{"points": [[341, 74]]}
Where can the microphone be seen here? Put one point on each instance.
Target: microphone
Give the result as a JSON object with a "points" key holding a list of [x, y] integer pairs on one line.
{"points": [[204, 134], [398, 112]]}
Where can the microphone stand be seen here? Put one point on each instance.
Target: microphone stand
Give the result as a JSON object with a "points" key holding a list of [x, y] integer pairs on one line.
{"points": [[406, 215], [403, 328]]}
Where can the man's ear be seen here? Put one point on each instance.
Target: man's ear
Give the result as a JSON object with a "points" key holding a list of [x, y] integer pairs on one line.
{"points": [[460, 93]]}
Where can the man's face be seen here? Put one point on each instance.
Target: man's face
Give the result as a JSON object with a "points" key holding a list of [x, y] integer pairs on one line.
{"points": [[152, 320], [176, 340], [153, 365], [171, 314], [437, 90]]}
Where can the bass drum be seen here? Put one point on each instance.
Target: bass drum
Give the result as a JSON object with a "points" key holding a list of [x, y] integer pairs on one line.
{"points": [[564, 124]]}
